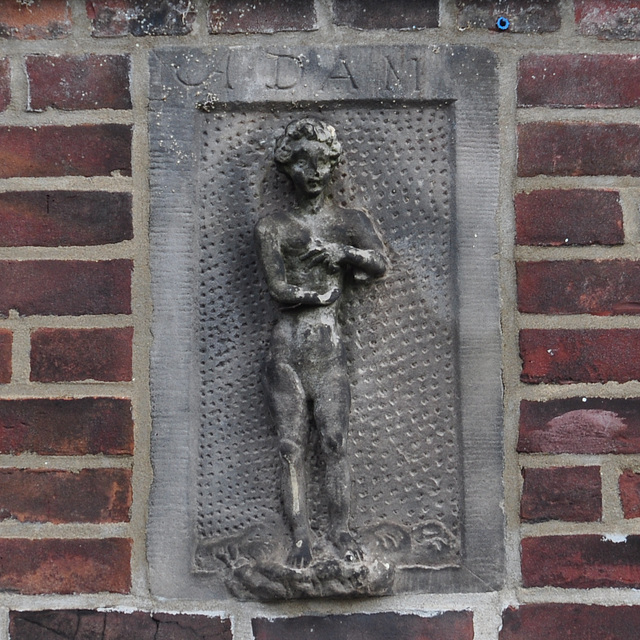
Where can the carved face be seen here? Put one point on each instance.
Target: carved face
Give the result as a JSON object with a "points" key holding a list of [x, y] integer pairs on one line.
{"points": [[310, 167]]}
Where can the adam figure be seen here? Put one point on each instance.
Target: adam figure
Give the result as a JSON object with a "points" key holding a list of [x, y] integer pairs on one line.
{"points": [[309, 254]]}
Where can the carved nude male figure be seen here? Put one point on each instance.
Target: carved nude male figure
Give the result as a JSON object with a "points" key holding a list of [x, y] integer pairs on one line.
{"points": [[309, 254]]}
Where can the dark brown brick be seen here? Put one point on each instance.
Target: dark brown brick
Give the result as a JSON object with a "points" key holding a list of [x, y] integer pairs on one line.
{"points": [[570, 621], [580, 425], [564, 356], [81, 150], [67, 427], [598, 287], [78, 82], [112, 625], [572, 494], [112, 18], [581, 562], [629, 484], [6, 343], [61, 355], [64, 218], [261, 16], [91, 495], [608, 19], [525, 16], [65, 287], [555, 217], [5, 83], [578, 149], [579, 80], [372, 14], [50, 19], [379, 626], [65, 566]]}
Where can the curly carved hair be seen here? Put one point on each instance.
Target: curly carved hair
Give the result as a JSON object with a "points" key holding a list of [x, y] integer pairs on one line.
{"points": [[306, 129]]}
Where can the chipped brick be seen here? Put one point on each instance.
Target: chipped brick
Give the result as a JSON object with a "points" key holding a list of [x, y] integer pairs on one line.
{"points": [[261, 16], [91, 495], [64, 355], [571, 494], [81, 150], [64, 218], [379, 626], [525, 16], [557, 217], [581, 562], [565, 356], [578, 149], [371, 14], [112, 18], [66, 427], [78, 82], [42, 19], [46, 566], [579, 80], [580, 425], [598, 287]]}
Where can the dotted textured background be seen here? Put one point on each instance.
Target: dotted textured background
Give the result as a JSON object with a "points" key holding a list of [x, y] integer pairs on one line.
{"points": [[400, 331]]}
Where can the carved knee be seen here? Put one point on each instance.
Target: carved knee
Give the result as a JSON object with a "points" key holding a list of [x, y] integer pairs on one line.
{"points": [[334, 445], [289, 450]]}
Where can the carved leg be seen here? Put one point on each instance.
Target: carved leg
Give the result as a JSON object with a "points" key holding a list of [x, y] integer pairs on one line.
{"points": [[288, 407], [331, 411]]}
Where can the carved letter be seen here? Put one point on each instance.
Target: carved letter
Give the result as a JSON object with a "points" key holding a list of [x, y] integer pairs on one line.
{"points": [[393, 79], [341, 71], [287, 71]]}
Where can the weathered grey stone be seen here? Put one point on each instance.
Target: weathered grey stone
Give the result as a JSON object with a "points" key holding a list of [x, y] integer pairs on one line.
{"points": [[419, 130]]}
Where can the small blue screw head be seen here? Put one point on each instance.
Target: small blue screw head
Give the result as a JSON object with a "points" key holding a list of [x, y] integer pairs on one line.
{"points": [[503, 23]]}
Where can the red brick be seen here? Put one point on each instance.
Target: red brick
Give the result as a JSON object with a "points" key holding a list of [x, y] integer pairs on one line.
{"points": [[571, 494], [113, 625], [91, 495], [81, 150], [557, 217], [372, 14], [579, 80], [5, 83], [379, 626], [65, 287], [64, 218], [66, 427], [565, 356], [78, 82], [629, 484], [65, 566], [525, 16], [598, 287], [608, 19], [580, 425], [261, 16], [112, 18], [61, 355], [580, 562], [578, 149], [6, 343], [569, 622], [50, 19]]}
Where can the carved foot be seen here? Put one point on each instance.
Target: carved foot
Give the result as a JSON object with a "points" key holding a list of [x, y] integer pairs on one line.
{"points": [[347, 547], [300, 555]]}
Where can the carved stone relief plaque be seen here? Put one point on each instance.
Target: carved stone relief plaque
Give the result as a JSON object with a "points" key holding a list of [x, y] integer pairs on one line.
{"points": [[404, 494]]}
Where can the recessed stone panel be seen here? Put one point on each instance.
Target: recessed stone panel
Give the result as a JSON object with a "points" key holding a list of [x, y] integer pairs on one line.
{"points": [[418, 131]]}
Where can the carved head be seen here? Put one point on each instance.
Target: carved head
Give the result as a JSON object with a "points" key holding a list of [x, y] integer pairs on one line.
{"points": [[308, 152]]}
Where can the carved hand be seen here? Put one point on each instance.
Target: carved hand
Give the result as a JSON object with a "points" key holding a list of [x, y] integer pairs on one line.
{"points": [[330, 255]]}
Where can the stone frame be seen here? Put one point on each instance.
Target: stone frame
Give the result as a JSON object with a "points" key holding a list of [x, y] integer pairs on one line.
{"points": [[227, 76]]}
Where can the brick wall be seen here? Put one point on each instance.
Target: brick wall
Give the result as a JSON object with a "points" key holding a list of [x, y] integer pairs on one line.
{"points": [[75, 313]]}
